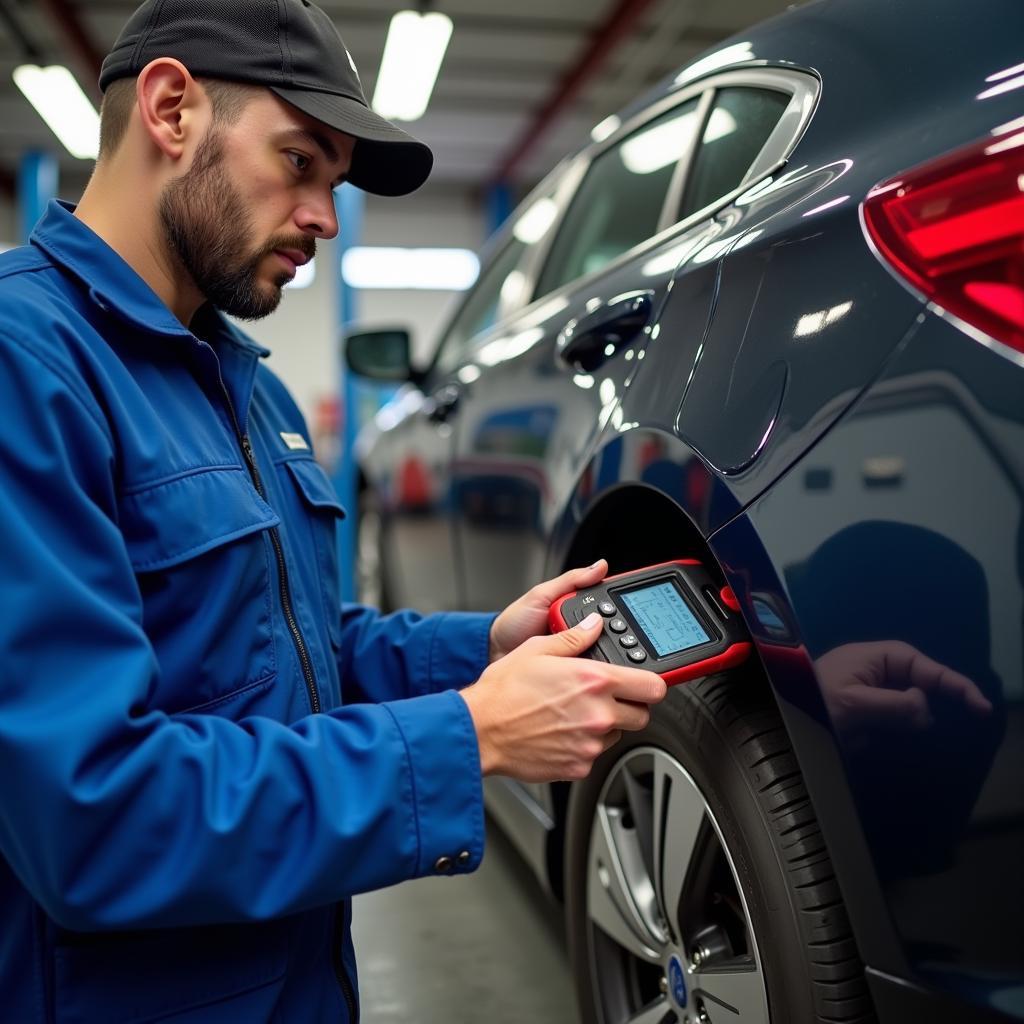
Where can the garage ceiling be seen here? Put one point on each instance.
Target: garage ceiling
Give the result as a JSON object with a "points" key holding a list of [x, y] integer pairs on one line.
{"points": [[508, 63]]}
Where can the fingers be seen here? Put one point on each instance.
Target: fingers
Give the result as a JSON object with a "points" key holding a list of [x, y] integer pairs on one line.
{"points": [[878, 707], [929, 675], [633, 717], [637, 684], [574, 579]]}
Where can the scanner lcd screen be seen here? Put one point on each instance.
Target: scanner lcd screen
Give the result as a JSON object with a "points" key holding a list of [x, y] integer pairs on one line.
{"points": [[665, 618]]}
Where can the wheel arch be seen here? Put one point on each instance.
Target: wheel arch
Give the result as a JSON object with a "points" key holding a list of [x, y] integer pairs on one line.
{"points": [[674, 512], [667, 496]]}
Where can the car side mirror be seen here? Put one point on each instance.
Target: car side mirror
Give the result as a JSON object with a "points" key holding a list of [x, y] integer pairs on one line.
{"points": [[380, 355]]}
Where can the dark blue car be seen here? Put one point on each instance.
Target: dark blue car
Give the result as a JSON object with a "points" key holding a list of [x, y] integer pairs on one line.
{"points": [[773, 319]]}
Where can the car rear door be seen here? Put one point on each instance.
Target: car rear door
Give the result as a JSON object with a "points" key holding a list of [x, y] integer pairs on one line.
{"points": [[542, 386]]}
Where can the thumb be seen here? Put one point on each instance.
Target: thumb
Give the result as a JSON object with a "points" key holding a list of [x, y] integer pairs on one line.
{"points": [[571, 642]]}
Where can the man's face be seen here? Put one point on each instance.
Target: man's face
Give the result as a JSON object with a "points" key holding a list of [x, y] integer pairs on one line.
{"points": [[253, 202]]}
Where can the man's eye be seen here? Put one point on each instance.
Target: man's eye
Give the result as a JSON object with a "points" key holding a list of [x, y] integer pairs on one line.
{"points": [[301, 162]]}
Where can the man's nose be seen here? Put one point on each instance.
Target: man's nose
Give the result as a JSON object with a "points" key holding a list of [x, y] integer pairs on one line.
{"points": [[318, 217]]}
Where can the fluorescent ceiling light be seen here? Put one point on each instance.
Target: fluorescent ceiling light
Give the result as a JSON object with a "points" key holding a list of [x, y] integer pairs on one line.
{"points": [[451, 270], [657, 147], [60, 102], [412, 58], [533, 224]]}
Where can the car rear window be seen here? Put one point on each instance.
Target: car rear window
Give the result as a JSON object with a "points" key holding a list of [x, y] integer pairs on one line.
{"points": [[619, 203], [737, 128]]}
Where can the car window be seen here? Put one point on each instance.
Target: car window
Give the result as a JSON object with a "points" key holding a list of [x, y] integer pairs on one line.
{"points": [[738, 126], [480, 309], [619, 203]]}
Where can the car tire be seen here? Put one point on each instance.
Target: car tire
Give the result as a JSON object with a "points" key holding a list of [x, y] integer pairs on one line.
{"points": [[754, 917]]}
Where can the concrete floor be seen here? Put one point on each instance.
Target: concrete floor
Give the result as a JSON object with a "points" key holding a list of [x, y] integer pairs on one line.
{"points": [[486, 947]]}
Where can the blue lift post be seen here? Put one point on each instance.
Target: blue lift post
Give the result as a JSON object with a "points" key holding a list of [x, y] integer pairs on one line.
{"points": [[499, 206], [38, 176], [350, 203]]}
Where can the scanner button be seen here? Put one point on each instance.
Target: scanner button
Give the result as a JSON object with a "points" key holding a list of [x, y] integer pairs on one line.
{"points": [[618, 625], [628, 640], [607, 608], [637, 655]]}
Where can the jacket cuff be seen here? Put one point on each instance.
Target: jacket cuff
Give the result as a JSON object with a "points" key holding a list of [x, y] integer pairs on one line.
{"points": [[445, 788], [459, 649]]}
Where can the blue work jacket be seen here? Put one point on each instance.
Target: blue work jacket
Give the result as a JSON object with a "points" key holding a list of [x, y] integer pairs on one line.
{"points": [[202, 753]]}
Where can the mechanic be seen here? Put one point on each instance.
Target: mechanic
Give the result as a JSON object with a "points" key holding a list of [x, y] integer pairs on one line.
{"points": [[203, 755]]}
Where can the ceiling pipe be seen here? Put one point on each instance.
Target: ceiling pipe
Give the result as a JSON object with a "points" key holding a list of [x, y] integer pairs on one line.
{"points": [[87, 56], [614, 30]]}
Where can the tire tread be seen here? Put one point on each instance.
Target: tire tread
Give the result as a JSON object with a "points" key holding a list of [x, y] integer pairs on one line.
{"points": [[756, 733]]}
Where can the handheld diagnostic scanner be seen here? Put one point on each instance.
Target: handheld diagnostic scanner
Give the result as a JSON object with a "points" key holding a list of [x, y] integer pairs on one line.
{"points": [[671, 618]]}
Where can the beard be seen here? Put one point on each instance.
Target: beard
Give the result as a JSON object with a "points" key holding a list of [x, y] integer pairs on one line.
{"points": [[207, 226]]}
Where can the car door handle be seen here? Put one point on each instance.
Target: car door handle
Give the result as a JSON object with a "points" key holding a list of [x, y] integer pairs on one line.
{"points": [[444, 402], [587, 342]]}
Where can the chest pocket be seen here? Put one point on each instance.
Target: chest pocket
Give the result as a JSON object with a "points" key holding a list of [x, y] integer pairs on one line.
{"points": [[198, 548], [323, 513]]}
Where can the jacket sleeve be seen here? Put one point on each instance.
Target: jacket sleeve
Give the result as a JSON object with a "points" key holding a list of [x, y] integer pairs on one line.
{"points": [[113, 815], [389, 657]]}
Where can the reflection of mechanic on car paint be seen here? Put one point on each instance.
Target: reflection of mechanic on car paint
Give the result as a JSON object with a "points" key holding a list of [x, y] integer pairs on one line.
{"points": [[888, 684]]}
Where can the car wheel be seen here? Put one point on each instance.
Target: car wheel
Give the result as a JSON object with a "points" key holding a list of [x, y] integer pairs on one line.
{"points": [[698, 885], [371, 569]]}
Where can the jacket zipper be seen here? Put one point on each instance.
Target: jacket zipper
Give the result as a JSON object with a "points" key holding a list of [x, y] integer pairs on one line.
{"points": [[282, 568], [282, 575], [340, 971]]}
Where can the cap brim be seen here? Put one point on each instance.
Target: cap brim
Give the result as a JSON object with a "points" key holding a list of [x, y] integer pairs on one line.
{"points": [[386, 160]]}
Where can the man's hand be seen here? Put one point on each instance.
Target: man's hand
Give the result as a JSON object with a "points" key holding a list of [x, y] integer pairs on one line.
{"points": [[888, 684], [528, 616], [543, 714]]}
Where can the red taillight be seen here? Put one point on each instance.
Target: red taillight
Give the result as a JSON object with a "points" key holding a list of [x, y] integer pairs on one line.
{"points": [[955, 229]]}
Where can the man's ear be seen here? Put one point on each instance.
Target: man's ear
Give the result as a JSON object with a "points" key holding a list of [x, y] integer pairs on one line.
{"points": [[173, 108]]}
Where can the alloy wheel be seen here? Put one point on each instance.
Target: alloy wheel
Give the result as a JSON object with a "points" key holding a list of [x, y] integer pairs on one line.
{"points": [[670, 935]]}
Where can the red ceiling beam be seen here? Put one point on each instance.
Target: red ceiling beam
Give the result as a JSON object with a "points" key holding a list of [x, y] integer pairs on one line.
{"points": [[88, 57], [615, 28]]}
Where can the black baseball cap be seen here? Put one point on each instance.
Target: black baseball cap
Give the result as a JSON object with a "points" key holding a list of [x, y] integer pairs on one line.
{"points": [[292, 48]]}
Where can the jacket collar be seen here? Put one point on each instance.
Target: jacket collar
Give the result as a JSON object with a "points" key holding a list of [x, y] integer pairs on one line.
{"points": [[114, 286]]}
